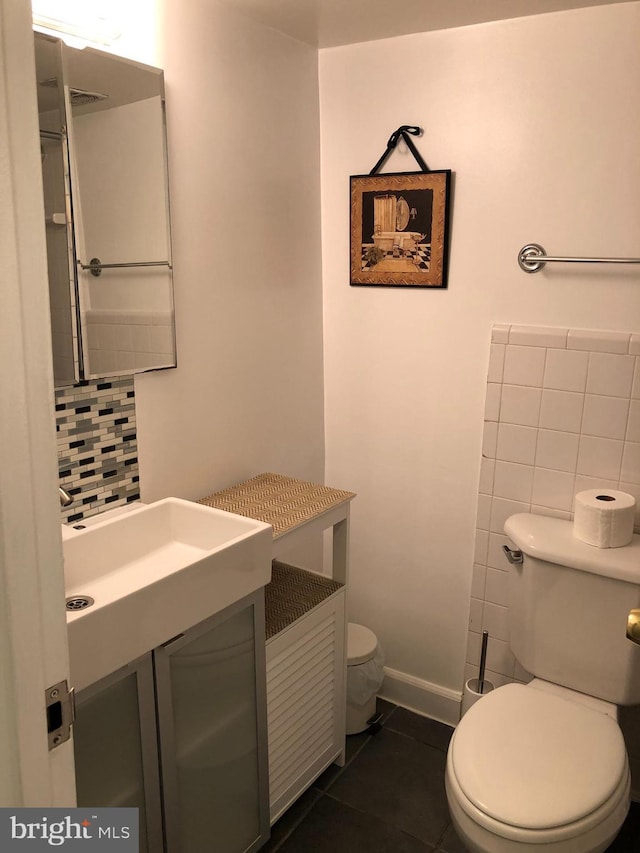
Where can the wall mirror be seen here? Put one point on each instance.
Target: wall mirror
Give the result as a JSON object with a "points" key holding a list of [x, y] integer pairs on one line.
{"points": [[104, 170]]}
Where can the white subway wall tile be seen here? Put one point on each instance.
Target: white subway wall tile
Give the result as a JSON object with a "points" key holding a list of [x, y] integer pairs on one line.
{"points": [[584, 484], [495, 555], [474, 646], [496, 588], [478, 581], [566, 370], [553, 488], [538, 336], [605, 416], [500, 333], [635, 389], [600, 457], [161, 339], [512, 481], [500, 658], [123, 337], [475, 614], [524, 365], [483, 516], [611, 375], [598, 341], [501, 509], [558, 450], [490, 439], [634, 490], [578, 410], [630, 471], [140, 339], [481, 546], [561, 410], [487, 469], [516, 444], [125, 360], [520, 405], [495, 620], [496, 363], [492, 402], [633, 424]]}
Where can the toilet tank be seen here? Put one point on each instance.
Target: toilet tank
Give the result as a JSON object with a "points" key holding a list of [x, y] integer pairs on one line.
{"points": [[568, 608]]}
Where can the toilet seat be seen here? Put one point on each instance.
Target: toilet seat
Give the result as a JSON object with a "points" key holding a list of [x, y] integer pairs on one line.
{"points": [[536, 767], [507, 744]]}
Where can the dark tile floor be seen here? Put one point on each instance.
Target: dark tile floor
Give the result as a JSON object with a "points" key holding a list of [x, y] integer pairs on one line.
{"points": [[389, 797]]}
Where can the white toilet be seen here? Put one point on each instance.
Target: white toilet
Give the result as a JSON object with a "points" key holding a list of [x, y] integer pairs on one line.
{"points": [[543, 766]]}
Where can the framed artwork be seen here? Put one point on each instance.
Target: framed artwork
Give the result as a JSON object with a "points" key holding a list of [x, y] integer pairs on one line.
{"points": [[400, 229]]}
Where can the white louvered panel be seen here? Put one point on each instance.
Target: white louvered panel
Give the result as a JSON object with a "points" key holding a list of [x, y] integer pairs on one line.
{"points": [[286, 713], [303, 672], [298, 764], [281, 665], [305, 694], [301, 729], [298, 686], [286, 694]]}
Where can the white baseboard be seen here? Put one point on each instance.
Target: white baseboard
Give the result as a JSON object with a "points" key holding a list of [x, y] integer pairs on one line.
{"points": [[423, 697]]}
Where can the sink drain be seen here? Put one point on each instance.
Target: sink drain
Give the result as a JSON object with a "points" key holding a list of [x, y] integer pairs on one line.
{"points": [[79, 602]]}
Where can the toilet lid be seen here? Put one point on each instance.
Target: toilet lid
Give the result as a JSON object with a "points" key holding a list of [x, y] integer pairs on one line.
{"points": [[361, 644], [535, 760]]}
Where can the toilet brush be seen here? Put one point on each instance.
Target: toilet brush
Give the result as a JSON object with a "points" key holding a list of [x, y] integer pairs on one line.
{"points": [[483, 661], [475, 688]]}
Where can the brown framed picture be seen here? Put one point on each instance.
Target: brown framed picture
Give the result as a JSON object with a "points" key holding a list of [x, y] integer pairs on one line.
{"points": [[400, 229]]}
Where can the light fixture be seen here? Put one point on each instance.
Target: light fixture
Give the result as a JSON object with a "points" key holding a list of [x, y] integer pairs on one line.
{"points": [[77, 22]]}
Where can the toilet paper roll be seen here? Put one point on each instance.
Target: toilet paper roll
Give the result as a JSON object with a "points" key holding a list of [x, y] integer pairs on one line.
{"points": [[604, 518]]}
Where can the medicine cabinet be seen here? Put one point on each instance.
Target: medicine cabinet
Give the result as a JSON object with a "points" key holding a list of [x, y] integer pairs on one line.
{"points": [[104, 170]]}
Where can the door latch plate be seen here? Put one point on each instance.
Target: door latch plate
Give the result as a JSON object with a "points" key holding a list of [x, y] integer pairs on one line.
{"points": [[60, 707]]}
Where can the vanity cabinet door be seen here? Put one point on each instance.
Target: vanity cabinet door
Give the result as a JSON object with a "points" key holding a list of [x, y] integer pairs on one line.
{"points": [[211, 695], [114, 737]]}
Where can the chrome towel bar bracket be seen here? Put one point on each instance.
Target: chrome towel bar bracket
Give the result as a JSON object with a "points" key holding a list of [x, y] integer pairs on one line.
{"points": [[532, 258]]}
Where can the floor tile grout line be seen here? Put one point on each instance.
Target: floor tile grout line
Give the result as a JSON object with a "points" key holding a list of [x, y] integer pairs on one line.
{"points": [[320, 793], [417, 740], [305, 814], [427, 845]]}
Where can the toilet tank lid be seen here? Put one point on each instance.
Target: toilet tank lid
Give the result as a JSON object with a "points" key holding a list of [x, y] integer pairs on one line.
{"points": [[535, 760], [552, 540]]}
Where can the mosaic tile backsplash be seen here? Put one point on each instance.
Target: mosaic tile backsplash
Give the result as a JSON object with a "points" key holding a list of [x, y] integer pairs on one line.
{"points": [[97, 446]]}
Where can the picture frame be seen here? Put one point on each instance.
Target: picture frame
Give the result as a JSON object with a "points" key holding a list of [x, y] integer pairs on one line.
{"points": [[400, 229]]}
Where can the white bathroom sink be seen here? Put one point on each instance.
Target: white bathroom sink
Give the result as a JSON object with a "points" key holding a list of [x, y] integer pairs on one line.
{"points": [[153, 573]]}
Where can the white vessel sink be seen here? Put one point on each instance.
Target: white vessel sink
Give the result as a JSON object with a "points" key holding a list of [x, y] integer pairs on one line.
{"points": [[153, 573]]}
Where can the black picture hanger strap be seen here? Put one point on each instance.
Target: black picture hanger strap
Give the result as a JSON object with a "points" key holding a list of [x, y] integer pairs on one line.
{"points": [[402, 133]]}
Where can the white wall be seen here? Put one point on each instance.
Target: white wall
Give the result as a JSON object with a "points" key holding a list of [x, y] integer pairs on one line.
{"points": [[247, 395], [539, 119]]}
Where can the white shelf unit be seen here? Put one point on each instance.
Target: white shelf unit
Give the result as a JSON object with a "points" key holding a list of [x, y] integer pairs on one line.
{"points": [[307, 658], [305, 701]]}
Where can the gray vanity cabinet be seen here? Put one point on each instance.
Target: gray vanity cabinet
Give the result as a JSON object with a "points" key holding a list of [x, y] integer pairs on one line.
{"points": [[213, 733], [210, 727], [114, 737]]}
